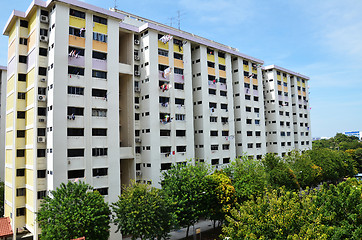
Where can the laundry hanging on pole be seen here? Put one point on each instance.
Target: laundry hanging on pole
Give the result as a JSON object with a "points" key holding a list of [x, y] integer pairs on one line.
{"points": [[251, 75], [167, 72], [166, 38]]}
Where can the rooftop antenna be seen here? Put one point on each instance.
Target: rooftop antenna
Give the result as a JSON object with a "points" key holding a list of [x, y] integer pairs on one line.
{"points": [[179, 15], [171, 20], [115, 4]]}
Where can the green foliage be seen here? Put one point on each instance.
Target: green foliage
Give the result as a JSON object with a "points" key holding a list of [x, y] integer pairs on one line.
{"points": [[186, 186], [338, 142], [248, 178], [278, 173], [220, 194], [335, 164], [74, 211], [143, 212], [1, 198], [356, 154], [307, 173]]}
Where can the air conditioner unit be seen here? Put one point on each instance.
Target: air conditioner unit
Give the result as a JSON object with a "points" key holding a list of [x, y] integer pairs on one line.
{"points": [[137, 89], [44, 19], [136, 106], [137, 42], [41, 139], [138, 173], [42, 98], [42, 120], [43, 38], [42, 79], [137, 73], [138, 140], [137, 58]]}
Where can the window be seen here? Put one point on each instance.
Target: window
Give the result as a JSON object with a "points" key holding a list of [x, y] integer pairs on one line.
{"points": [[179, 71], [100, 37], [43, 71], [210, 51], [97, 172], [223, 93], [99, 74], [248, 109], [179, 101], [249, 133], [22, 59], [76, 152], [102, 191], [179, 86], [213, 133], [99, 55], [41, 173], [247, 97], [99, 93], [75, 132], [20, 212], [76, 174], [77, 111], [212, 91], [255, 87], [99, 152], [181, 149], [214, 161], [165, 149], [248, 121], [41, 111], [76, 51], [99, 132], [21, 95], [100, 20], [258, 133], [180, 133], [43, 52], [250, 145], [165, 166], [20, 153], [246, 85], [180, 117], [77, 13], [43, 32], [21, 114], [163, 52], [165, 133], [20, 172], [257, 122], [178, 56], [42, 194], [222, 67], [76, 90], [22, 77], [214, 147], [76, 70], [24, 23], [211, 64], [20, 133], [23, 41], [76, 32], [213, 119], [224, 106], [225, 147]]}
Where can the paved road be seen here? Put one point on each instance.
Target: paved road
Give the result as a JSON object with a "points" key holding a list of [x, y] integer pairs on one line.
{"points": [[203, 225]]}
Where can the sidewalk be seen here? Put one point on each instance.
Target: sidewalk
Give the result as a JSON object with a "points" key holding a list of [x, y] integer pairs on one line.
{"points": [[204, 225]]}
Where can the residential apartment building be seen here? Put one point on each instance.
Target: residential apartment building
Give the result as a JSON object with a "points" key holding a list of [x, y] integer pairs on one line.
{"points": [[2, 120], [103, 96]]}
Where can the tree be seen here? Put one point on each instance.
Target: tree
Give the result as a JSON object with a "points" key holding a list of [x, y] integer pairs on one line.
{"points": [[143, 212], [186, 186], [221, 196], [247, 176], [74, 211], [278, 173], [1, 198], [307, 173]]}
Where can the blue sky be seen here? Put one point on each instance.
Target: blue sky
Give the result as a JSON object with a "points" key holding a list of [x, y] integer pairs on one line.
{"points": [[318, 38]]}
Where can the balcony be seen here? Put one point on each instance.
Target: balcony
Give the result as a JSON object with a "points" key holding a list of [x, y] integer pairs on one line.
{"points": [[125, 68], [99, 64], [126, 152], [212, 84], [76, 61], [223, 86], [161, 76], [76, 41], [179, 78], [255, 92]]}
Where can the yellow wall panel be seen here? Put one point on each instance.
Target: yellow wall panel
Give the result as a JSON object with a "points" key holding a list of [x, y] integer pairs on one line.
{"points": [[30, 218], [29, 157], [99, 46], [246, 80], [211, 71], [210, 58], [222, 74], [29, 135], [11, 50], [178, 63], [76, 41], [246, 68], [76, 22], [285, 89], [32, 22], [299, 92], [9, 138], [7, 210], [285, 79], [9, 156], [29, 117], [8, 192], [30, 78], [10, 102], [178, 49], [31, 41], [162, 45], [29, 197], [255, 81], [280, 88], [304, 94], [10, 84], [279, 77], [303, 84], [100, 28], [9, 120], [163, 60], [222, 61], [254, 70], [8, 175], [12, 33], [30, 97], [29, 177]]}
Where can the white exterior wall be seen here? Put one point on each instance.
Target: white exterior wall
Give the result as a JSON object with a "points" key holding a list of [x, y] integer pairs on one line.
{"points": [[3, 82]]}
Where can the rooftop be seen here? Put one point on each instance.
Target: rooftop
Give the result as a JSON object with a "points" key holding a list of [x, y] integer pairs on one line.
{"points": [[5, 227]]}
